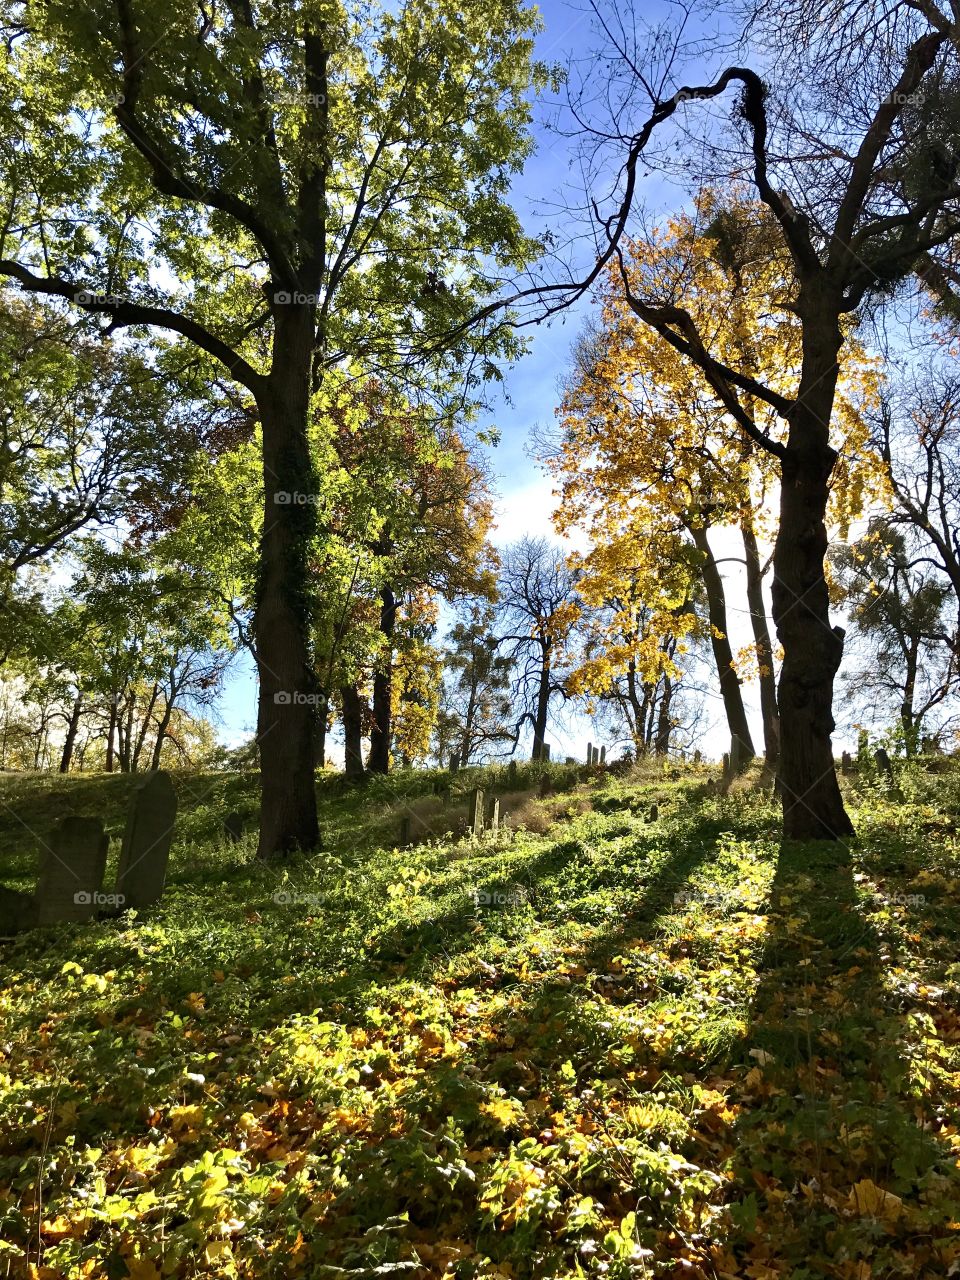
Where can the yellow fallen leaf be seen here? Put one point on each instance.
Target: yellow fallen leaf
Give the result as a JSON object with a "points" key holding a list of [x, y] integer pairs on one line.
{"points": [[869, 1200]]}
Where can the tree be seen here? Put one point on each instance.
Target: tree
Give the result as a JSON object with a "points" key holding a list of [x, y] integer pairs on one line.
{"points": [[84, 430], [918, 435], [538, 606], [477, 706], [896, 602], [650, 457], [321, 186]]}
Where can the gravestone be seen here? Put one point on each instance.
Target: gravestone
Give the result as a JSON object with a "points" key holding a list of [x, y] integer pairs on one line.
{"points": [[545, 787], [882, 761], [603, 755], [569, 760], [71, 873], [493, 814], [146, 842], [512, 773], [697, 757], [654, 813], [726, 764], [589, 753], [233, 827], [846, 763], [476, 811], [454, 763], [404, 830]]}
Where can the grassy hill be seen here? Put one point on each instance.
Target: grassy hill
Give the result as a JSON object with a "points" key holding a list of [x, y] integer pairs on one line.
{"points": [[631, 1035]]}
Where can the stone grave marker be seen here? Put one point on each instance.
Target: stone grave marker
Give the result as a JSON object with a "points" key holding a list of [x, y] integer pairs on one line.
{"points": [[882, 761], [71, 872], [146, 842], [476, 811], [846, 763], [493, 814], [454, 763], [603, 755], [233, 827], [17, 911]]}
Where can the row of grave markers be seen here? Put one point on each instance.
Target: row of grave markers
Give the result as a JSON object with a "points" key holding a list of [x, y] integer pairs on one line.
{"points": [[70, 883]]}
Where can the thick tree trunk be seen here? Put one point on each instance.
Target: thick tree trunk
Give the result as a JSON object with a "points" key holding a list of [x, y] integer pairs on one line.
{"points": [[543, 704], [70, 741], [144, 727], [352, 731], [288, 814], [381, 729], [762, 642], [812, 649], [741, 743], [661, 743]]}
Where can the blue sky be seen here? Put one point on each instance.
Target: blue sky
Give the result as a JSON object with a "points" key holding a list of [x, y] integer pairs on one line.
{"points": [[529, 397]]}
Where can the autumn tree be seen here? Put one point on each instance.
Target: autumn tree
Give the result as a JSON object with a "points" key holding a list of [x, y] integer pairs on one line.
{"points": [[650, 459], [477, 708], [292, 190]]}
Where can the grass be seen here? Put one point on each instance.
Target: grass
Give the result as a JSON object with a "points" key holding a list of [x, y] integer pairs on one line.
{"points": [[619, 1040]]}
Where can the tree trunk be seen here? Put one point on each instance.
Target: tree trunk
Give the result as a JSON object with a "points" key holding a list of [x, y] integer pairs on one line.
{"points": [[543, 703], [288, 813], [70, 741], [144, 727], [762, 642], [812, 649], [352, 731], [661, 743], [111, 730], [741, 743], [162, 728], [909, 721], [380, 731]]}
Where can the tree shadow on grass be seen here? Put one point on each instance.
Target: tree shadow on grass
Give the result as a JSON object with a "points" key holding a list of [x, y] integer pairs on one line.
{"points": [[833, 1155]]}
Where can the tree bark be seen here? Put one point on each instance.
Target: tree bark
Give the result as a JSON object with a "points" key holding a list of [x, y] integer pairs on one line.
{"points": [[381, 729], [352, 731], [111, 730], [162, 728], [288, 811], [812, 649], [543, 704], [70, 741], [762, 642], [741, 743], [661, 742]]}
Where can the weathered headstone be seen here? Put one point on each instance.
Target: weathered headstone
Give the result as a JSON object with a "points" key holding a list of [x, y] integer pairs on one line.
{"points": [[454, 763], [882, 761], [71, 873], [545, 787], [493, 814], [476, 811], [233, 827], [654, 813], [545, 751], [846, 763], [603, 755], [726, 764], [697, 757], [512, 773], [146, 842], [404, 838], [589, 753]]}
